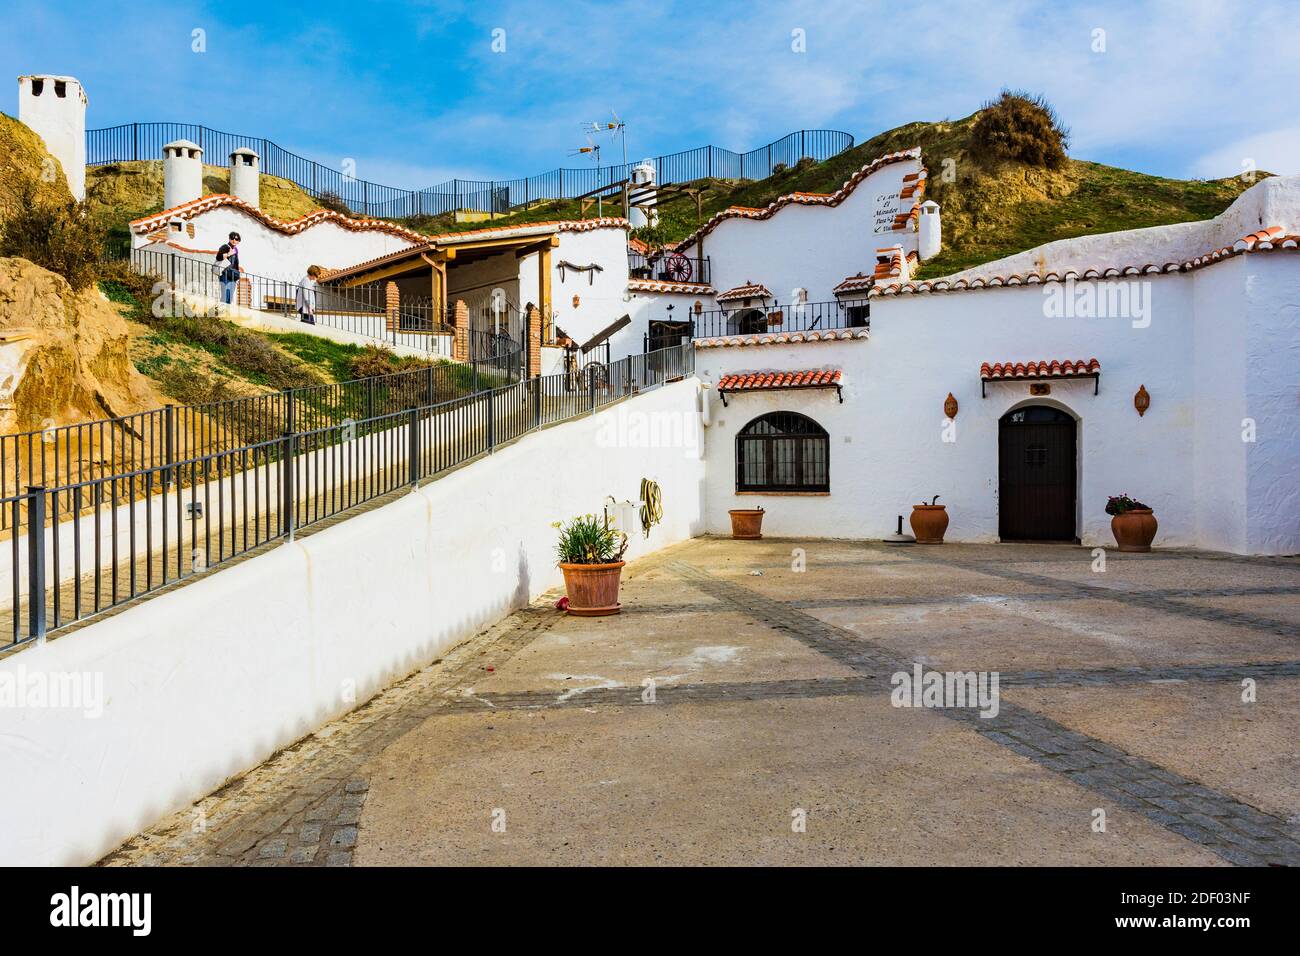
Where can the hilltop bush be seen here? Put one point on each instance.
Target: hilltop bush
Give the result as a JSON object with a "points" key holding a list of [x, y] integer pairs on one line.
{"points": [[61, 236], [1021, 127]]}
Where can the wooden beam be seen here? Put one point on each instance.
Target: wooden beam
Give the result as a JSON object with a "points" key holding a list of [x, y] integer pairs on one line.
{"points": [[544, 282], [378, 275], [550, 242]]}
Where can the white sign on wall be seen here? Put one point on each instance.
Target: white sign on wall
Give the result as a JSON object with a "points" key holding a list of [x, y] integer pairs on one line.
{"points": [[887, 207]]}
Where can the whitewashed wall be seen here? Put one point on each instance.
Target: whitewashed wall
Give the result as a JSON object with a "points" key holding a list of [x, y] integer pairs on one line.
{"points": [[812, 247], [601, 295], [202, 683], [268, 252], [1221, 345]]}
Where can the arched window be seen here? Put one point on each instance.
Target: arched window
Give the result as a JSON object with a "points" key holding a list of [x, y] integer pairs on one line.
{"points": [[783, 451]]}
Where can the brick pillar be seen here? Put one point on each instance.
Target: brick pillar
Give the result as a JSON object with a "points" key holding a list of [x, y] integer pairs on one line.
{"points": [[460, 344], [392, 301], [534, 342], [244, 293]]}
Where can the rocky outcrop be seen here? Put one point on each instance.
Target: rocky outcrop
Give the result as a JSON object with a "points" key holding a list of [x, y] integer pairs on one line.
{"points": [[64, 356], [25, 160]]}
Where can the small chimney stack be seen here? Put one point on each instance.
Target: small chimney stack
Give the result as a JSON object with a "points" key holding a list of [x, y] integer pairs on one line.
{"points": [[929, 235], [246, 176], [182, 173]]}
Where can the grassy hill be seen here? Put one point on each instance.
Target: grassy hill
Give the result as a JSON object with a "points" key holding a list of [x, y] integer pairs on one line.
{"points": [[990, 210]]}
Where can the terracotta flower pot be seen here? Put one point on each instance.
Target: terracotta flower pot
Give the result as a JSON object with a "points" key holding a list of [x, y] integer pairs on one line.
{"points": [[1134, 529], [929, 522], [746, 523], [592, 588]]}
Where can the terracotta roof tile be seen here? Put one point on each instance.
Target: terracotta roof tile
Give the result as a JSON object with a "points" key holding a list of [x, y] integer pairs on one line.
{"points": [[752, 290], [781, 338], [1265, 240], [1044, 368], [806, 199], [657, 285], [857, 283], [758, 381]]}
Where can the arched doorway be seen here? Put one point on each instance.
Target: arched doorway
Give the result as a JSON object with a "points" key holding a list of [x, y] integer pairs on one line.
{"points": [[1037, 474], [747, 322]]}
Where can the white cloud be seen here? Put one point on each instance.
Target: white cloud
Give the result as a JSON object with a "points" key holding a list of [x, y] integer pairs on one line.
{"points": [[1277, 151]]}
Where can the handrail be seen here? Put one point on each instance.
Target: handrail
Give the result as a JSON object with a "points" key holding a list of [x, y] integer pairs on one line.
{"points": [[115, 537], [135, 141]]}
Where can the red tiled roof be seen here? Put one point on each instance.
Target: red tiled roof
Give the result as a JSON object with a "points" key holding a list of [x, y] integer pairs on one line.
{"points": [[752, 290], [657, 285], [857, 283], [204, 204], [805, 199], [1055, 368], [758, 381], [195, 207], [1263, 241], [781, 338], [892, 265]]}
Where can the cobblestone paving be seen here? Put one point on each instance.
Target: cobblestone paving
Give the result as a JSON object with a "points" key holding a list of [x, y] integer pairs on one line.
{"points": [[305, 805]]}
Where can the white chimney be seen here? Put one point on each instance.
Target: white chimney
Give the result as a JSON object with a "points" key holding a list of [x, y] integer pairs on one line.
{"points": [[643, 196], [246, 176], [182, 173], [54, 107], [929, 235]]}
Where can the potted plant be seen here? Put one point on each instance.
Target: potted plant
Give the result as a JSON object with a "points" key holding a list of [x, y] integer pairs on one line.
{"points": [[1132, 523], [591, 556], [929, 522], [746, 523]]}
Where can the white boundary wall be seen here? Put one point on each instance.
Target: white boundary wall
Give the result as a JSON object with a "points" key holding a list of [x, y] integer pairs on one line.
{"points": [[218, 675]]}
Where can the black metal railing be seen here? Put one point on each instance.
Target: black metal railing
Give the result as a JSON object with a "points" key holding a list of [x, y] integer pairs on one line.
{"points": [[668, 267], [136, 141], [190, 282], [68, 457], [796, 317], [81, 545]]}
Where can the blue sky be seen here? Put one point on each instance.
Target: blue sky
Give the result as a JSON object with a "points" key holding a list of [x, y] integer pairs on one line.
{"points": [[414, 93]]}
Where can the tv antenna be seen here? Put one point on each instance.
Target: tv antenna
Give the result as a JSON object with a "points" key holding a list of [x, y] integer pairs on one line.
{"points": [[615, 127]]}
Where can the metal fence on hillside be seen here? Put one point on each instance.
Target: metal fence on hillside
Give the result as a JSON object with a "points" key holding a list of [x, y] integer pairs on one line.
{"points": [[137, 141]]}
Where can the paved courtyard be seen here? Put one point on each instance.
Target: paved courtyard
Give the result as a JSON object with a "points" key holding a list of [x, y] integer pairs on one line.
{"points": [[739, 711]]}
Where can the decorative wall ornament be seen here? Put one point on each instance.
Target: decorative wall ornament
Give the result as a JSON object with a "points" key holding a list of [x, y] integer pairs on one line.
{"points": [[1142, 400], [576, 300], [950, 406]]}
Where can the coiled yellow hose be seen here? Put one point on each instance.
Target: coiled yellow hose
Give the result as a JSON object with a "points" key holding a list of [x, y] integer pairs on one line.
{"points": [[652, 505]]}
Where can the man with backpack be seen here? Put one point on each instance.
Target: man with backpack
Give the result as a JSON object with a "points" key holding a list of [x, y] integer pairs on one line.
{"points": [[228, 270]]}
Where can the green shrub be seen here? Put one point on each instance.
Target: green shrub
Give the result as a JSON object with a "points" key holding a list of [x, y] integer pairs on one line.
{"points": [[1021, 127], [588, 540], [60, 236]]}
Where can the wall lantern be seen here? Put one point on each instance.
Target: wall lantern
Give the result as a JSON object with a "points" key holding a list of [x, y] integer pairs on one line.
{"points": [[950, 406], [699, 306], [1142, 400]]}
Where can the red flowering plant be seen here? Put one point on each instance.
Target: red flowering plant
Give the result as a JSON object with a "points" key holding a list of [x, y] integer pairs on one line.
{"points": [[1119, 504]]}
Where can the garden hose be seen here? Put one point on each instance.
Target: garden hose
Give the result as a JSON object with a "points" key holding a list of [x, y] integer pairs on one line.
{"points": [[652, 505]]}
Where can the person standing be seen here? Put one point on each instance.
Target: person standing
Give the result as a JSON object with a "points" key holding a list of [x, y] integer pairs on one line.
{"points": [[228, 268], [305, 298]]}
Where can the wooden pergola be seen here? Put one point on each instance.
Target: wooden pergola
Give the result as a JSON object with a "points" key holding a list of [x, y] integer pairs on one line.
{"points": [[440, 253]]}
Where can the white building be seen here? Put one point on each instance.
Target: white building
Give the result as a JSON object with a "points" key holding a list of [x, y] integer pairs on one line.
{"points": [[1200, 320], [54, 107]]}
